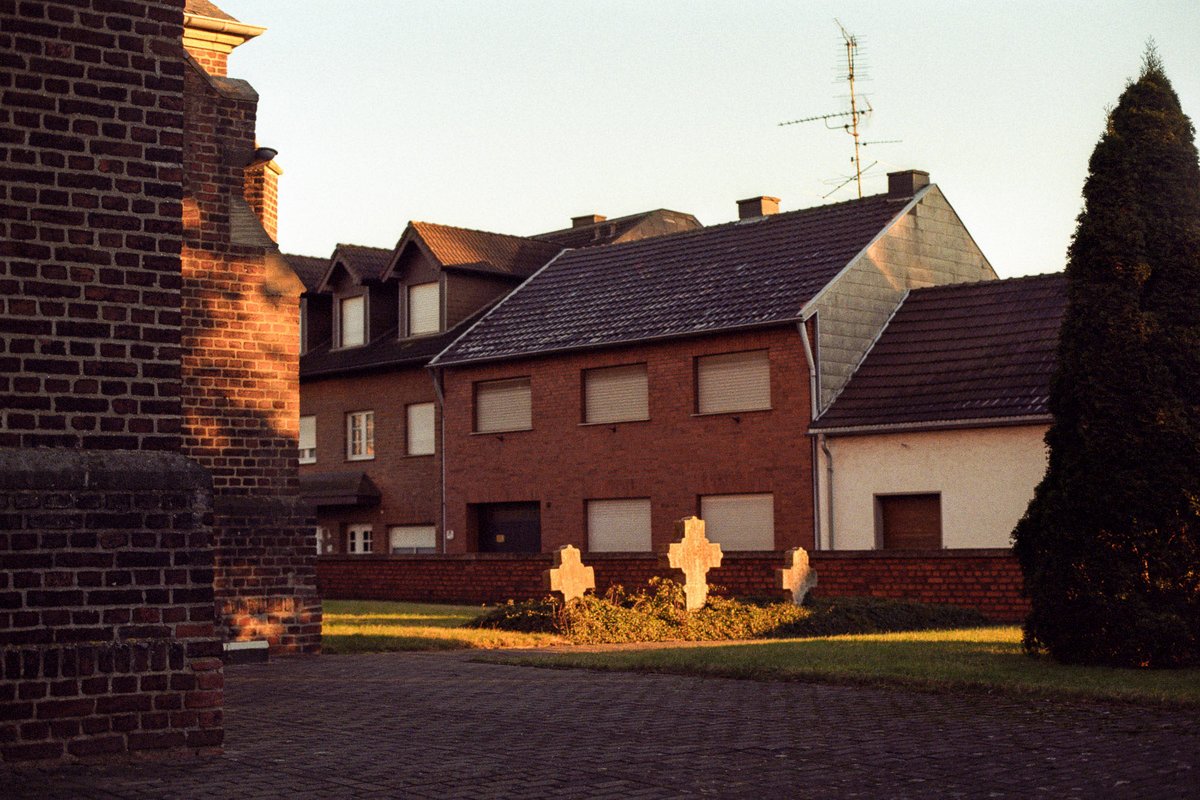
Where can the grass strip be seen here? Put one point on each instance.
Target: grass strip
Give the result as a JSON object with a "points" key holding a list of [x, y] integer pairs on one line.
{"points": [[362, 626]]}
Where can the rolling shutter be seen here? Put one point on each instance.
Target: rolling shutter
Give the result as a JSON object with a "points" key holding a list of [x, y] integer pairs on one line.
{"points": [[424, 309], [353, 321], [740, 521], [910, 521], [621, 526], [412, 539], [733, 382], [420, 429], [615, 394], [503, 406], [308, 440]]}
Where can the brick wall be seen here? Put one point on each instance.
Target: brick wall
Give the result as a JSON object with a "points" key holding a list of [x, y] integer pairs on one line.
{"points": [[90, 172], [988, 580], [240, 375], [409, 484], [563, 463], [106, 614]]}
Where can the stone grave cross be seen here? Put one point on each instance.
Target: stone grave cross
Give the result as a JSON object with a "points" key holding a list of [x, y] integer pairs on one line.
{"points": [[569, 576], [796, 576], [695, 555]]}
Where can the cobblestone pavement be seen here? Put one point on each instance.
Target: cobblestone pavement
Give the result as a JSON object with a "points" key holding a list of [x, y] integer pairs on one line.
{"points": [[439, 726]]}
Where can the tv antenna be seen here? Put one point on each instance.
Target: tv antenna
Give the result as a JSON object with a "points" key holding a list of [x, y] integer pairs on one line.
{"points": [[850, 42]]}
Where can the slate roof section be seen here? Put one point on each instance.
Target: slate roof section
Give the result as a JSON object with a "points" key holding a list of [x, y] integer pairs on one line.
{"points": [[310, 269], [482, 251], [364, 263], [659, 222], [204, 8], [953, 354], [749, 273]]}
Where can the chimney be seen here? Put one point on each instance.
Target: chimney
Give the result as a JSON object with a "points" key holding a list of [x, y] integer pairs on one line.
{"points": [[753, 207], [587, 219], [903, 185]]}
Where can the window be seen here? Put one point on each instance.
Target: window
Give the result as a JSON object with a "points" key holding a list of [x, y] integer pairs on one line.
{"points": [[615, 394], [424, 309], [733, 382], [739, 521], [358, 539], [909, 521], [412, 539], [308, 440], [323, 543], [352, 330], [360, 435], [503, 406], [419, 429], [618, 525]]}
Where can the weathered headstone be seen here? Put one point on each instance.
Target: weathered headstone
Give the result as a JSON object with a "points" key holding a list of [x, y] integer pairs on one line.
{"points": [[695, 555], [569, 576], [796, 576]]}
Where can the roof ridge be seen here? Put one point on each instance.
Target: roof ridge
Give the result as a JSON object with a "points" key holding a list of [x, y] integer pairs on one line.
{"points": [[614, 221], [416, 223], [943, 287]]}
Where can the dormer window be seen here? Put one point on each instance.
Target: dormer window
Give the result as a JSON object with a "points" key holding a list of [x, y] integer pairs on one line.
{"points": [[424, 309], [352, 321]]}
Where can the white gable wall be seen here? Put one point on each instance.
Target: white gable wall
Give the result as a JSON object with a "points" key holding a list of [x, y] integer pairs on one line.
{"points": [[986, 478], [928, 246]]}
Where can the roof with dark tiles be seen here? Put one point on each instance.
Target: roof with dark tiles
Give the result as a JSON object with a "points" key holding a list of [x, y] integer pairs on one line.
{"points": [[753, 272], [482, 251], [658, 222], [310, 269], [953, 354], [204, 8], [363, 263]]}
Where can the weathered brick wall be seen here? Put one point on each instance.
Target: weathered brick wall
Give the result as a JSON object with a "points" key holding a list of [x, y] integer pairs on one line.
{"points": [[106, 615], [988, 580], [241, 378], [687, 454], [90, 188]]}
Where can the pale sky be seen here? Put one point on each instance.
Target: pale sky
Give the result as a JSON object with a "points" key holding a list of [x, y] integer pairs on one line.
{"points": [[515, 116]]}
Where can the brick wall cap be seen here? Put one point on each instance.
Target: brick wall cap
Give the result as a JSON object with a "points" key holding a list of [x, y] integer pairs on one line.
{"points": [[49, 469], [973, 552]]}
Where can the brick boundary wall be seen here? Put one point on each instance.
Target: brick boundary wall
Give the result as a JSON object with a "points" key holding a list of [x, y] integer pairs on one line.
{"points": [[988, 580], [107, 645]]}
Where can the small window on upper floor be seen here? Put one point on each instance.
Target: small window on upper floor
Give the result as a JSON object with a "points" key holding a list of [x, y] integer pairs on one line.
{"points": [[360, 435], [352, 321], [308, 440], [419, 433], [503, 406], [733, 382], [615, 394], [424, 309]]}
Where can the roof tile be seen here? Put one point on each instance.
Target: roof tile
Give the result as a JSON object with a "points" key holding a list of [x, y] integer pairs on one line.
{"points": [[481, 251]]}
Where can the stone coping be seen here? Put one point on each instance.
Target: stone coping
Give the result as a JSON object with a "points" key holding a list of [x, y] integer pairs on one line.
{"points": [[729, 556]]}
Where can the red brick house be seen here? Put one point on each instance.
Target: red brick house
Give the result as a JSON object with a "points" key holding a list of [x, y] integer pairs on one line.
{"points": [[371, 456], [623, 387]]}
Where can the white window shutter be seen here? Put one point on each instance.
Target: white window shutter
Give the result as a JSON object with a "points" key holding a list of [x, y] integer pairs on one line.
{"points": [[621, 526], [616, 394], [420, 429], [739, 521], [353, 321], [733, 382], [503, 406], [308, 439], [424, 309], [412, 539]]}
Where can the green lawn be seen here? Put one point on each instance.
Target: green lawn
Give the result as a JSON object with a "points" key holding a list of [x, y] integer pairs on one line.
{"points": [[988, 659], [356, 626]]}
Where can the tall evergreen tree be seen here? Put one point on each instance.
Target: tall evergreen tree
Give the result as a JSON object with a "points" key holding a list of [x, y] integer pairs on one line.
{"points": [[1110, 544]]}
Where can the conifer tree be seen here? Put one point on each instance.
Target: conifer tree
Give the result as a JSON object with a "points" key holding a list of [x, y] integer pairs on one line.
{"points": [[1110, 544]]}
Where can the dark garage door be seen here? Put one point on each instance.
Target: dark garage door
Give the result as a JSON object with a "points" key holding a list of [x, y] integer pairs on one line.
{"points": [[510, 528]]}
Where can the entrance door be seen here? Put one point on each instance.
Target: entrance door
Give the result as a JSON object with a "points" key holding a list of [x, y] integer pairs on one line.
{"points": [[510, 528]]}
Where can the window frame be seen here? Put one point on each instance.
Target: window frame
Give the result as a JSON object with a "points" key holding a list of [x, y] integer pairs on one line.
{"points": [[408, 429], [339, 322], [365, 539], [475, 429], [697, 363], [408, 306], [587, 374], [368, 429], [311, 459]]}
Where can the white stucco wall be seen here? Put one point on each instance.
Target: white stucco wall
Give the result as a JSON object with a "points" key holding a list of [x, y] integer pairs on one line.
{"points": [[986, 477]]}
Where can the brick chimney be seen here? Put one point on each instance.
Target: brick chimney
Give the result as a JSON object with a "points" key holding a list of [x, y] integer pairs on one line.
{"points": [[262, 193], [903, 185], [762, 206], [209, 35], [587, 219]]}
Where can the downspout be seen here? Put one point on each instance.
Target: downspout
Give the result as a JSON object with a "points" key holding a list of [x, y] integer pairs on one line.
{"points": [[812, 414], [441, 399], [828, 484]]}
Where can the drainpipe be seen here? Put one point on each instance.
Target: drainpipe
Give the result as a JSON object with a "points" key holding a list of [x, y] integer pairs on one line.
{"points": [[828, 484], [812, 414], [441, 401]]}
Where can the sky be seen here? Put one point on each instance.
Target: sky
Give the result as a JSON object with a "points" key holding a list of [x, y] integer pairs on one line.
{"points": [[516, 116]]}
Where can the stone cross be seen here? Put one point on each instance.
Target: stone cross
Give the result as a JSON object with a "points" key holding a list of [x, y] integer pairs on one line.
{"points": [[797, 576], [695, 555], [569, 576]]}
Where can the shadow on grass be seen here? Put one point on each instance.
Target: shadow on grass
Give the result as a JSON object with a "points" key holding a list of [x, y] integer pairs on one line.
{"points": [[346, 644]]}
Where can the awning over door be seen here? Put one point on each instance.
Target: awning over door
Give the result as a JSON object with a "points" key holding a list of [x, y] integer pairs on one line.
{"points": [[339, 489]]}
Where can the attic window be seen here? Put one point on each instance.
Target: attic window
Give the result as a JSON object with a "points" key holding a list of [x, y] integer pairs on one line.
{"points": [[424, 309], [352, 321]]}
